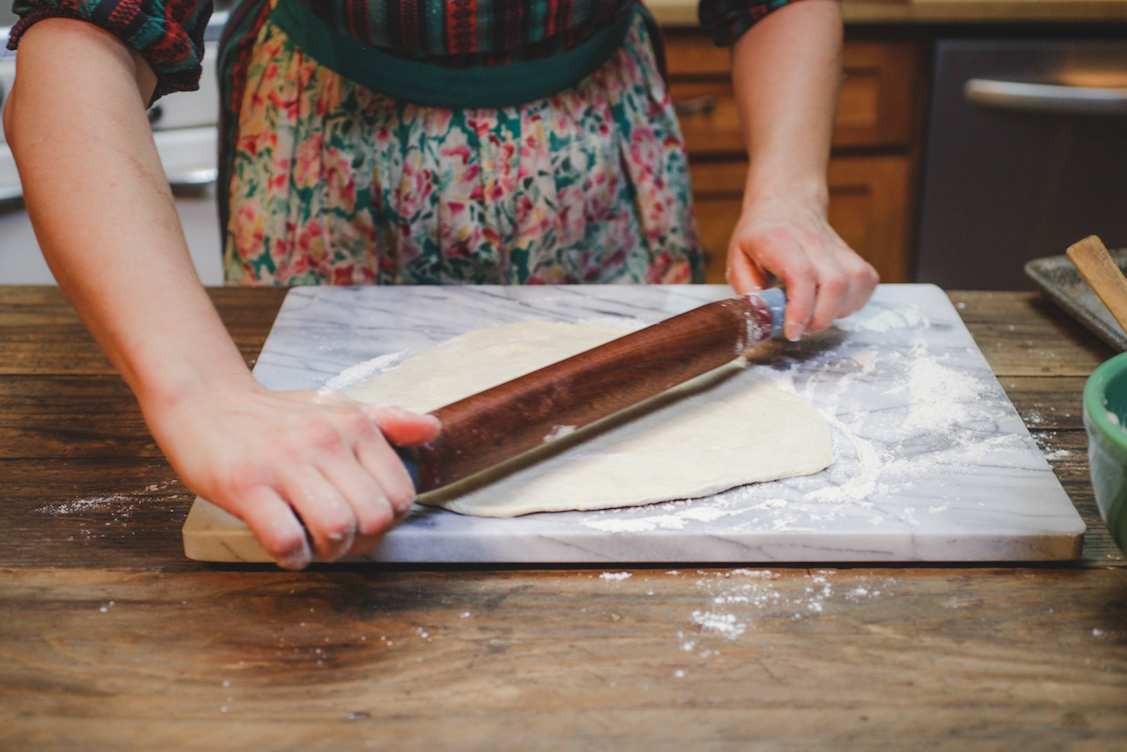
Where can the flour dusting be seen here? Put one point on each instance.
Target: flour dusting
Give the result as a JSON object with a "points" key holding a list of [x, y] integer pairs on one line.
{"points": [[558, 432], [615, 576], [884, 320], [678, 516], [741, 601], [867, 360], [722, 624], [78, 506], [939, 394], [119, 506], [860, 482], [361, 372]]}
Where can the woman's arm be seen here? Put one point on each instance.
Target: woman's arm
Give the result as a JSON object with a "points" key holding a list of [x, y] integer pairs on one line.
{"points": [[786, 71], [106, 221]]}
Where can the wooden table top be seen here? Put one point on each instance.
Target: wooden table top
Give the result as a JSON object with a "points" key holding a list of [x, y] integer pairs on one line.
{"points": [[110, 638]]}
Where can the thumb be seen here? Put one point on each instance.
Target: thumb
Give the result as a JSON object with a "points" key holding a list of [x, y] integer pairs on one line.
{"points": [[403, 427], [744, 275]]}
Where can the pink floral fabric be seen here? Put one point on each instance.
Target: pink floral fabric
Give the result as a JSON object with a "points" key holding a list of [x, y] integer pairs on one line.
{"points": [[334, 183]]}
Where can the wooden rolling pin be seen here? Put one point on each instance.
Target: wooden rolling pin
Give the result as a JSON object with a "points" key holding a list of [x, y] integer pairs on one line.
{"points": [[489, 427]]}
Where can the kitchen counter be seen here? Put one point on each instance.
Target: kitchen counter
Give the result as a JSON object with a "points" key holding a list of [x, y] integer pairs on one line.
{"points": [[109, 638], [907, 12]]}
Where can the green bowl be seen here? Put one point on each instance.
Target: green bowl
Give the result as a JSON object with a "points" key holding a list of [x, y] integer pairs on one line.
{"points": [[1105, 418]]}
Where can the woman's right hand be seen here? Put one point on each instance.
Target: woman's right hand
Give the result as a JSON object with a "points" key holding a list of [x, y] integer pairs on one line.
{"points": [[279, 459], [106, 221]]}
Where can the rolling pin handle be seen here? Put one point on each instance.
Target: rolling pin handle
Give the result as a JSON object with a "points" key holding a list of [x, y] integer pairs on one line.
{"points": [[411, 462], [776, 301]]}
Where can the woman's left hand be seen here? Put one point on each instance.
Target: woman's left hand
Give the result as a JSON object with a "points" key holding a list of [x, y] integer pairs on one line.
{"points": [[791, 239]]}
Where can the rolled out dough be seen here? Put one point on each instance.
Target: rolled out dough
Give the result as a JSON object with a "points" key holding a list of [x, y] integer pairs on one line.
{"points": [[726, 428]]}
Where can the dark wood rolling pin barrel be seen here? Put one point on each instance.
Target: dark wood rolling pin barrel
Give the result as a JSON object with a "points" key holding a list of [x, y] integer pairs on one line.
{"points": [[495, 425]]}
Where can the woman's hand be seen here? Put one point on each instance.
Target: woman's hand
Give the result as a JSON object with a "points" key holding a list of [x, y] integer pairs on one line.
{"points": [[787, 114], [271, 458], [791, 239]]}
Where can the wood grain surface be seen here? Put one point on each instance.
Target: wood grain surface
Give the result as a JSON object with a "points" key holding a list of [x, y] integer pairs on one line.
{"points": [[110, 639]]}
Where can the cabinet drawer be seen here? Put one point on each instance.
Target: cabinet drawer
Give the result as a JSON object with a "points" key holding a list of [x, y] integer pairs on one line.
{"points": [[875, 108], [868, 208]]}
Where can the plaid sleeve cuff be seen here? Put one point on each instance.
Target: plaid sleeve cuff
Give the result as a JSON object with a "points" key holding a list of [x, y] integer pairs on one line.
{"points": [[168, 34], [727, 20]]}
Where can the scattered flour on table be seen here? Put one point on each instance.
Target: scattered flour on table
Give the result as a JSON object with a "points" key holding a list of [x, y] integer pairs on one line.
{"points": [[675, 516], [722, 624], [361, 372], [861, 481], [78, 506], [740, 601], [884, 320], [615, 576], [939, 394], [867, 359], [119, 507]]}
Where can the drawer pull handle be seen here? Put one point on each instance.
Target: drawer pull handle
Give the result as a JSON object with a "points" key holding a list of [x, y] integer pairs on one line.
{"points": [[1046, 98], [701, 105], [193, 178]]}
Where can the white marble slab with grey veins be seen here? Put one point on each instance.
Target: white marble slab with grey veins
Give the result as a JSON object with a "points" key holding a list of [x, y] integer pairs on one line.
{"points": [[932, 462]]}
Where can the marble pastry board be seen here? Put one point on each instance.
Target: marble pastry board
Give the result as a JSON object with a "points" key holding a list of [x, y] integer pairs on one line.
{"points": [[931, 461]]}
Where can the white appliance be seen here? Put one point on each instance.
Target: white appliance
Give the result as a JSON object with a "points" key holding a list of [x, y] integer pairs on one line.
{"points": [[185, 131]]}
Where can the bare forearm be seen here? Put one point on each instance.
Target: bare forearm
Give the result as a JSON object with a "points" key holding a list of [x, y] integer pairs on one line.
{"points": [[307, 475], [104, 215], [786, 72]]}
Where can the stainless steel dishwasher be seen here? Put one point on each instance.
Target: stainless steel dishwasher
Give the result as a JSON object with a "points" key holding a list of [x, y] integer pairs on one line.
{"points": [[1026, 152]]}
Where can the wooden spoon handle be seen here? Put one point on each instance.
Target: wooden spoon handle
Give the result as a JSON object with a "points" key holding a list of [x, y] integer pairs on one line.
{"points": [[490, 427], [1102, 274]]}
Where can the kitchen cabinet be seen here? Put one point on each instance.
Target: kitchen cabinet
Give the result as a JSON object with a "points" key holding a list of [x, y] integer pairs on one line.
{"points": [[872, 168], [869, 208]]}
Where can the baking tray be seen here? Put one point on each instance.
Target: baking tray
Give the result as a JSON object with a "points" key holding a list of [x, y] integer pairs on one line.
{"points": [[1059, 279]]}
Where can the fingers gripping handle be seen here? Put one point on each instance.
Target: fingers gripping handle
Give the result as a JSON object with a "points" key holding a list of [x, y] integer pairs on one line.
{"points": [[410, 461]]}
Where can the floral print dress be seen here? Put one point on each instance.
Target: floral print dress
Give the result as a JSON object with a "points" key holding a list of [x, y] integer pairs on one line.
{"points": [[331, 182]]}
